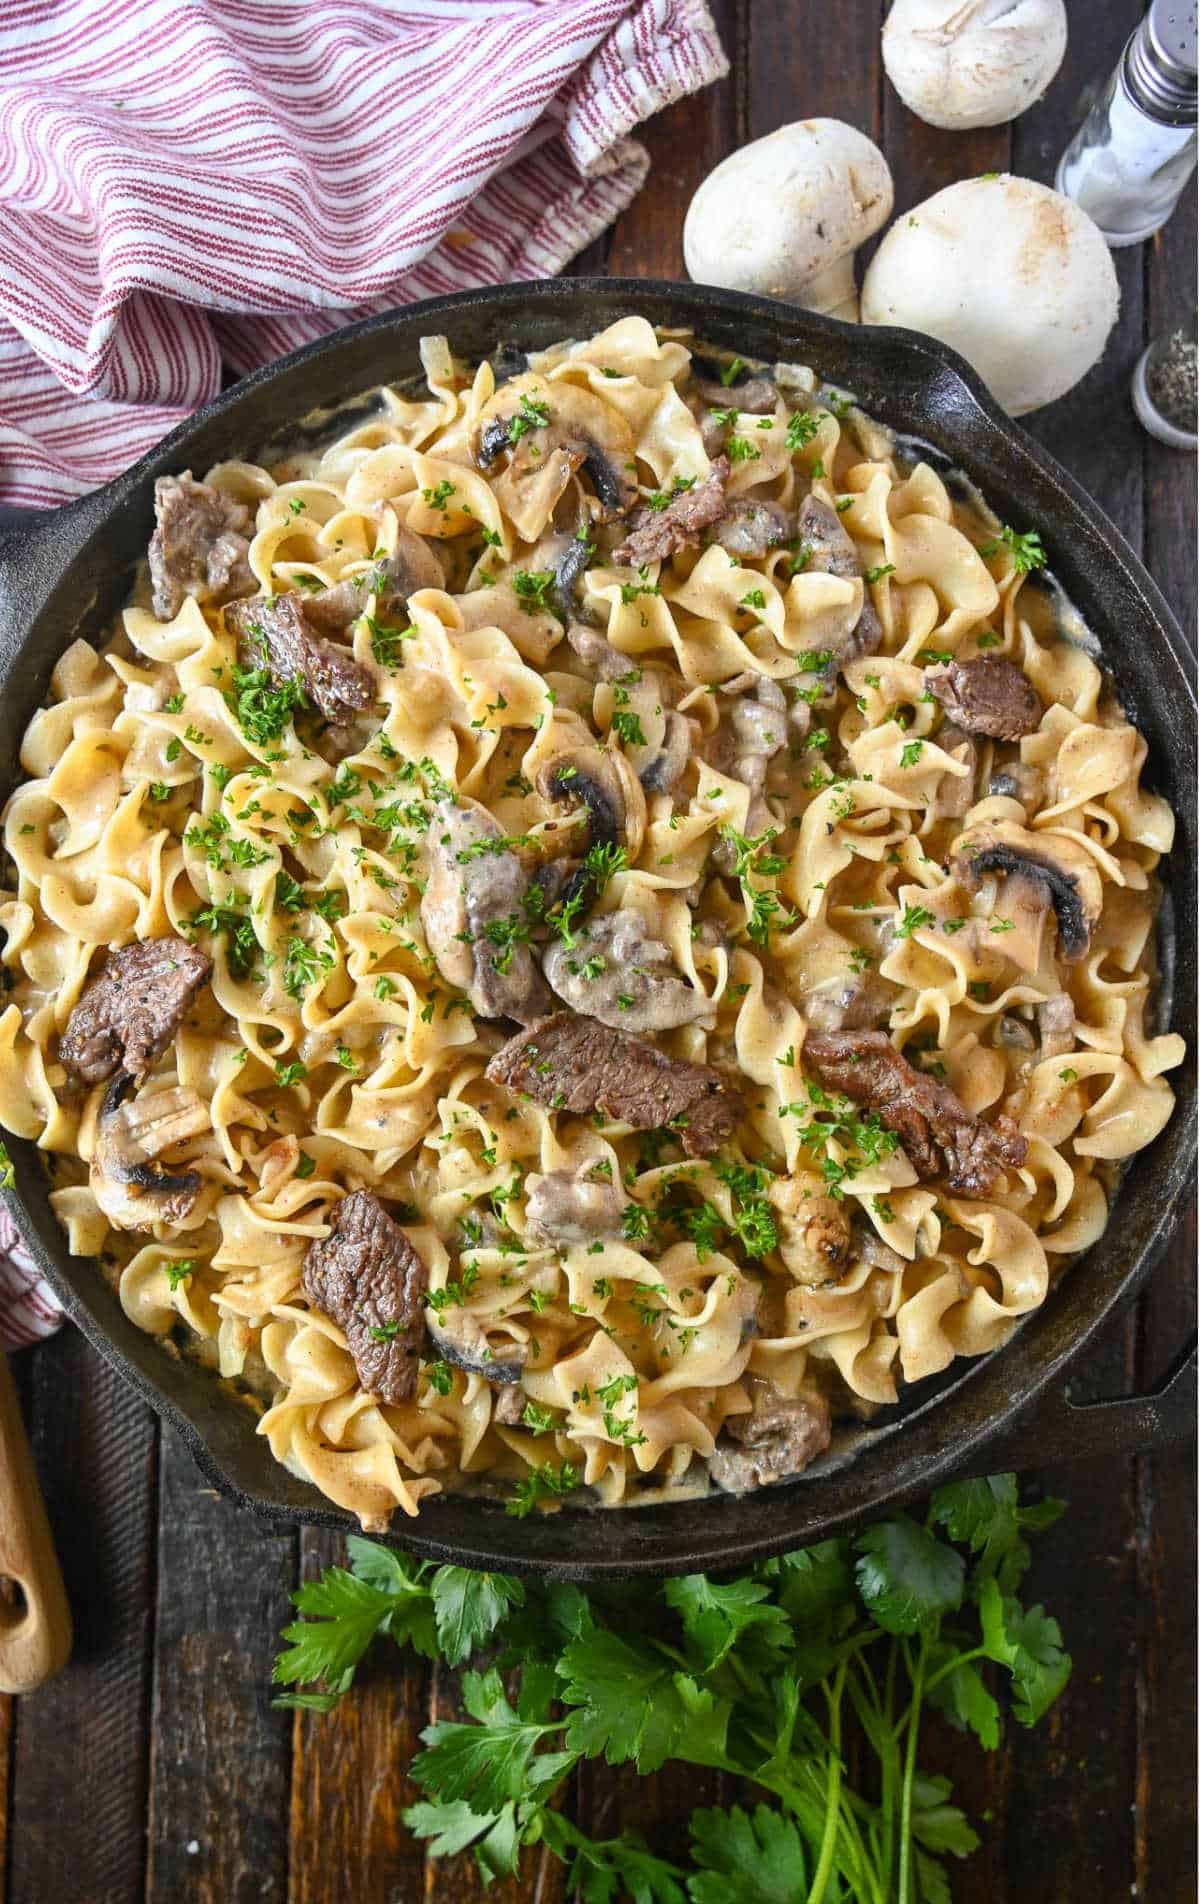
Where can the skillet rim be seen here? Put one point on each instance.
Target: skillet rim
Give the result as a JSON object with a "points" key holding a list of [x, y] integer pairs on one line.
{"points": [[489, 1538]]}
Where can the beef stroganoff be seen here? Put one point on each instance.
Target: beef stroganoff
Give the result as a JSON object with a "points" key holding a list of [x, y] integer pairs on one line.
{"points": [[583, 931]]}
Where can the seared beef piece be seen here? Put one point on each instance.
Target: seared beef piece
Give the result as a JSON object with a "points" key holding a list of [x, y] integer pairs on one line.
{"points": [[367, 1277], [751, 526], [655, 534], [832, 551], [987, 695], [275, 633], [577, 1064], [129, 1014], [411, 565], [778, 1438], [939, 1135], [199, 546]]}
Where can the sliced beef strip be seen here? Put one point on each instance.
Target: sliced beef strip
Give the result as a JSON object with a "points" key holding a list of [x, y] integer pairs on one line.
{"points": [[753, 526], [199, 547], [130, 1012], [988, 695], [778, 1438], [367, 1277], [655, 534], [572, 1063], [940, 1137], [275, 632]]}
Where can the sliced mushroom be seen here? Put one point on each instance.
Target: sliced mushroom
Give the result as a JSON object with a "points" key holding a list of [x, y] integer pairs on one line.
{"points": [[603, 782], [568, 554], [1019, 781], [1056, 1025], [1062, 874], [412, 565], [666, 764], [860, 1003], [1014, 1034], [955, 793], [814, 1230], [750, 390], [606, 662], [132, 1131], [753, 727], [753, 526], [831, 550], [473, 912], [551, 431], [458, 1338], [568, 1206], [615, 971]]}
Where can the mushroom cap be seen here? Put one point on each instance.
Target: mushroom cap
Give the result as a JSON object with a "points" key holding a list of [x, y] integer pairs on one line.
{"points": [[777, 214], [980, 64], [1009, 273]]}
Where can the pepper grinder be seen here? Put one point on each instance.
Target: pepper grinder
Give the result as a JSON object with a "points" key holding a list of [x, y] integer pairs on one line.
{"points": [[1136, 150]]}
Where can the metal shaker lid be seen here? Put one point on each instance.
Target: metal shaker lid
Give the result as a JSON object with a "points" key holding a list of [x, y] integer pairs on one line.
{"points": [[1160, 63]]}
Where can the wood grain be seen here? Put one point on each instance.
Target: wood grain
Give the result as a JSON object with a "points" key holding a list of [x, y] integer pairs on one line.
{"points": [[349, 1777], [35, 1620], [1099, 1800], [86, 1732], [220, 1756], [7, 1709]]}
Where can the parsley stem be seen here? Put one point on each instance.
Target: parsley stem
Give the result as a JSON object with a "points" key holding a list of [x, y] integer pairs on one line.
{"points": [[833, 1789], [917, 1674], [952, 1665]]}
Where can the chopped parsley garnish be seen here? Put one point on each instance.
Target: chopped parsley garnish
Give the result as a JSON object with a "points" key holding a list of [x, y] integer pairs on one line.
{"points": [[911, 753], [1026, 550], [530, 586], [179, 1271], [802, 427], [438, 497], [910, 919], [261, 708], [533, 415]]}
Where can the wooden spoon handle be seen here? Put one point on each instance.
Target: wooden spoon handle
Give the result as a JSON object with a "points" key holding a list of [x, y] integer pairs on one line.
{"points": [[35, 1632]]}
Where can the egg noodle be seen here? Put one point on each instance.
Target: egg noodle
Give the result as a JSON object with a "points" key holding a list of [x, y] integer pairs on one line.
{"points": [[329, 1053]]}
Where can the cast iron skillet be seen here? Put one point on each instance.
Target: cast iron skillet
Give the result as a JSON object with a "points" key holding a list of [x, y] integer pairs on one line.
{"points": [[68, 574]]}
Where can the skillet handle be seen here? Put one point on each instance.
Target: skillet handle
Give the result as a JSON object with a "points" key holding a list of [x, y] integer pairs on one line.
{"points": [[34, 544], [1059, 1429]]}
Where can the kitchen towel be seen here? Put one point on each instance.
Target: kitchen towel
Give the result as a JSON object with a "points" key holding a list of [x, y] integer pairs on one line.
{"points": [[186, 184], [190, 187]]}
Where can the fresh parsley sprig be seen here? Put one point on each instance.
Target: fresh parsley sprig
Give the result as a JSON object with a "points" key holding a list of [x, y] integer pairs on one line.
{"points": [[757, 1676]]}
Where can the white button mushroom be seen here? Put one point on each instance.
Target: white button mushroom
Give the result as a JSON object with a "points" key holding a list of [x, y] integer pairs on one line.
{"points": [[978, 63], [1009, 273], [786, 214]]}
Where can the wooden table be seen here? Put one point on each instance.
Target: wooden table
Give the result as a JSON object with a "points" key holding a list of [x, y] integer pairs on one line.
{"points": [[155, 1766]]}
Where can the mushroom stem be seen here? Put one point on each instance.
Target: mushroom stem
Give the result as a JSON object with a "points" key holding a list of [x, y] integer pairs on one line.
{"points": [[833, 291]]}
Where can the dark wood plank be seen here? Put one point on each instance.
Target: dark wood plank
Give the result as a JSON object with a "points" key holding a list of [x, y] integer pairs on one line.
{"points": [[349, 1776], [684, 143], [1165, 1846], [6, 1730], [220, 1756], [86, 1732]]}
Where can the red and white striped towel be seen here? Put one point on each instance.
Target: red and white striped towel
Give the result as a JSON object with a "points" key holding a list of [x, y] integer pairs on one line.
{"points": [[189, 181], [187, 184]]}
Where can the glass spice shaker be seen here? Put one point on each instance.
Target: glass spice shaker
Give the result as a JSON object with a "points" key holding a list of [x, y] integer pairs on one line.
{"points": [[1136, 150]]}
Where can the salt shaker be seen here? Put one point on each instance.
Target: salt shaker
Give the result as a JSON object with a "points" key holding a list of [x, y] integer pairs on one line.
{"points": [[1136, 150]]}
